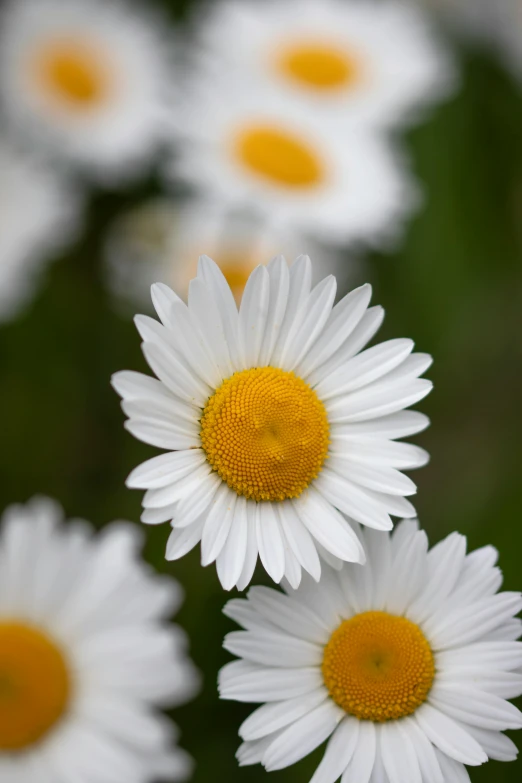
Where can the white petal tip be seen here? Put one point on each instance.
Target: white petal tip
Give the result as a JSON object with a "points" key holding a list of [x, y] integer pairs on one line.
{"points": [[115, 382]]}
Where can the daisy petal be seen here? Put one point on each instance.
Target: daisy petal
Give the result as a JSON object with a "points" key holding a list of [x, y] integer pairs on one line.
{"points": [[361, 766], [253, 315], [217, 524], [316, 309], [231, 560], [328, 527], [165, 469], [299, 539], [212, 276], [339, 751], [361, 335], [351, 500], [378, 400], [279, 277], [260, 684], [276, 715], [448, 737], [398, 754], [251, 549], [299, 289], [365, 368], [205, 312], [270, 541], [342, 321], [302, 737]]}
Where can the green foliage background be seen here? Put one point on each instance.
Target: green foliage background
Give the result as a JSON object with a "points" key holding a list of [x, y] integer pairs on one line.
{"points": [[455, 286]]}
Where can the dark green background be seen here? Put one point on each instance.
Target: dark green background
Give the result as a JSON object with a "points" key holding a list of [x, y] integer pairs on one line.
{"points": [[454, 286]]}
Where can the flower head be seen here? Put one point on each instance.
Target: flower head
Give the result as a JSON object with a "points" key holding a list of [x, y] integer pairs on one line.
{"points": [[404, 665], [86, 80], [347, 62], [244, 147], [85, 654], [277, 429], [39, 213], [159, 240]]}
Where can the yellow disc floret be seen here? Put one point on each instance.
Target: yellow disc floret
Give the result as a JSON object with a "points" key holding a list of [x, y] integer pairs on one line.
{"points": [[279, 157], [319, 67], [71, 73], [34, 685], [378, 666], [265, 432]]}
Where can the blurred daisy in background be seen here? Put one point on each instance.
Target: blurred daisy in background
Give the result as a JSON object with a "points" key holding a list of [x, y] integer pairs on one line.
{"points": [[246, 147], [471, 16], [162, 240], [85, 80], [496, 25], [404, 664], [86, 654], [277, 429], [39, 215], [347, 62], [506, 33]]}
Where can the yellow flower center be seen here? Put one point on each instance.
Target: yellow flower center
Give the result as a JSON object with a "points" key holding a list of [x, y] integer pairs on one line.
{"points": [[378, 667], [279, 157], [319, 67], [72, 73], [34, 685], [265, 432]]}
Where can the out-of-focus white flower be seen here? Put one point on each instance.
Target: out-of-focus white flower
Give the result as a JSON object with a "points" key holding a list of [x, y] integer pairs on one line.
{"points": [[469, 16], [496, 24], [507, 33], [278, 430], [160, 240], [351, 61], [250, 148], [86, 80], [39, 213], [85, 654], [404, 664]]}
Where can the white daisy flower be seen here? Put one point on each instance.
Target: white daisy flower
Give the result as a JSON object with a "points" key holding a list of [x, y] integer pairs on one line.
{"points": [[39, 214], [505, 33], [85, 654], [87, 79], [160, 240], [404, 665], [251, 149], [277, 428], [346, 61]]}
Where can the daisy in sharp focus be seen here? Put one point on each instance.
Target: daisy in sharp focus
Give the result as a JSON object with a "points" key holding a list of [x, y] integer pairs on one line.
{"points": [[85, 80], [278, 429], [39, 214], [404, 665], [86, 654], [348, 61], [247, 148]]}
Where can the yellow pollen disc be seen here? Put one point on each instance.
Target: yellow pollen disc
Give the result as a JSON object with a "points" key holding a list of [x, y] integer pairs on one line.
{"points": [[378, 667], [319, 67], [72, 73], [265, 432], [34, 686], [279, 157]]}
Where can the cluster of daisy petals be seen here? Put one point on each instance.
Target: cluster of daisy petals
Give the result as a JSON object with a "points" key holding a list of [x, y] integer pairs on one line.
{"points": [[282, 431], [281, 111], [402, 657]]}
